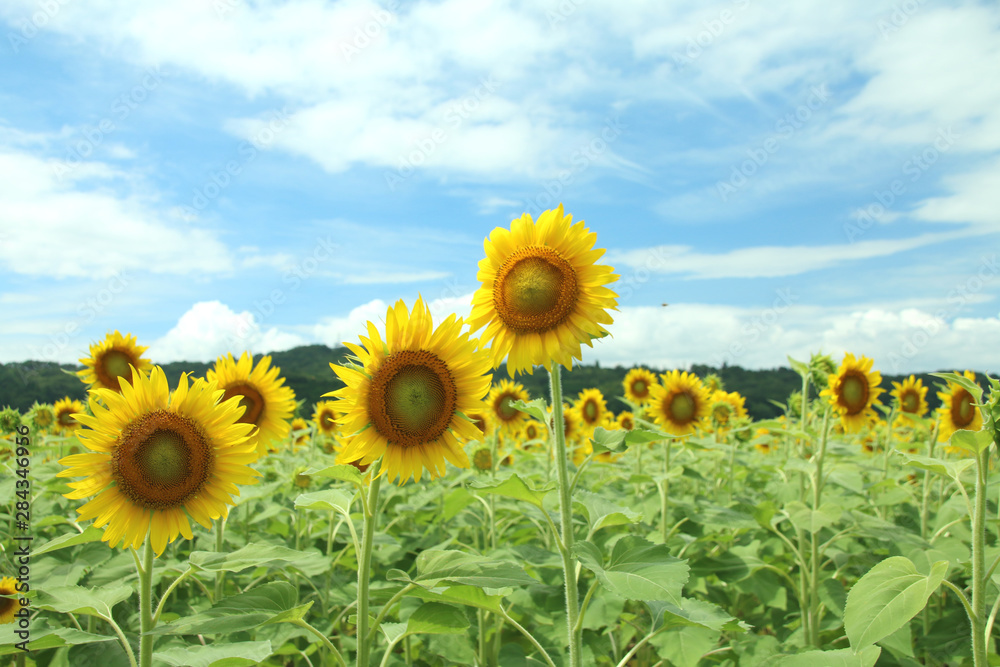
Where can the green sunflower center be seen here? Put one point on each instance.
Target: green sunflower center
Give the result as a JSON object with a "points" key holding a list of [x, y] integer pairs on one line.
{"points": [[962, 409], [682, 407], [854, 392], [482, 459], [590, 411], [412, 398], [161, 460], [640, 388], [505, 410], [250, 400], [721, 413], [910, 402], [65, 418], [535, 290], [112, 366]]}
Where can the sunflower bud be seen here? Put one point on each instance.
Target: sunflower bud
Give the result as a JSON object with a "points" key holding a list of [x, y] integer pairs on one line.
{"points": [[821, 366], [10, 419]]}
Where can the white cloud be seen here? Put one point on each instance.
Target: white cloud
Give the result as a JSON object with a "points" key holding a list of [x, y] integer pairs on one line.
{"points": [[210, 329], [53, 227]]}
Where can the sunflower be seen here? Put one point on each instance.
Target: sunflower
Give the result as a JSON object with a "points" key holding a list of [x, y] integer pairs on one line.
{"points": [[638, 384], [158, 457], [853, 390], [533, 433], [268, 404], [572, 426], [42, 415], [681, 403], [12, 605], [10, 420], [726, 408], [325, 417], [64, 410], [110, 359], [626, 420], [300, 426], [911, 397], [406, 399], [482, 459], [542, 294], [713, 383], [958, 410], [592, 408], [506, 417]]}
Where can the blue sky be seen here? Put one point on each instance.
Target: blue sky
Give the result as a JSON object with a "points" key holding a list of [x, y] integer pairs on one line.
{"points": [[223, 175]]}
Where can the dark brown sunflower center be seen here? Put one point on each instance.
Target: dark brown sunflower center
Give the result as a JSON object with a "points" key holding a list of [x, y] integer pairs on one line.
{"points": [[854, 392], [910, 402], [65, 418], [327, 421], [161, 460], [962, 409], [590, 411], [682, 408], [505, 411], [482, 459], [113, 365], [535, 290], [250, 399], [531, 432], [7, 604], [479, 422], [640, 388], [721, 413], [627, 424], [412, 398]]}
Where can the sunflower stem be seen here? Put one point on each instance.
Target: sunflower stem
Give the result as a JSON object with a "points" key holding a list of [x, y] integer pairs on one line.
{"points": [[365, 566], [146, 605], [977, 615], [665, 489], [220, 528], [814, 552], [566, 515]]}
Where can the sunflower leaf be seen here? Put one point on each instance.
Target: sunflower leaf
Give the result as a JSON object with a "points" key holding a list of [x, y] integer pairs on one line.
{"points": [[327, 499], [269, 603], [80, 600], [844, 657], [342, 472], [458, 567], [516, 488], [536, 408], [973, 441], [964, 382], [637, 569], [233, 654], [602, 513], [692, 612], [256, 555], [90, 534], [952, 469], [799, 367], [471, 596]]}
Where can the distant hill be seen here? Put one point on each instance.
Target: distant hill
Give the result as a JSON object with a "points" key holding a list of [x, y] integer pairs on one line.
{"points": [[307, 370]]}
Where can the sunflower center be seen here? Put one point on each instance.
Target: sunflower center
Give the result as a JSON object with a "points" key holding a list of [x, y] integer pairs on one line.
{"points": [[590, 411], [640, 388], [627, 424], [682, 408], [7, 604], [250, 399], [482, 459], [535, 290], [721, 413], [65, 418], [910, 402], [505, 410], [854, 392], [161, 460], [531, 432], [412, 398], [112, 366], [962, 410], [326, 421], [480, 423]]}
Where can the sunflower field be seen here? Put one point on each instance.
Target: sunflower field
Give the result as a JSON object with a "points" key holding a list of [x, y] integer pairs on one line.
{"points": [[432, 513]]}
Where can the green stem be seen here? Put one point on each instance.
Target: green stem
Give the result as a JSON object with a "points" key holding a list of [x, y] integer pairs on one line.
{"points": [[665, 488], [800, 534], [888, 444], [122, 639], [220, 532], [146, 606], [977, 617], [326, 642], [925, 499], [566, 516], [529, 636], [159, 608], [365, 566], [814, 552]]}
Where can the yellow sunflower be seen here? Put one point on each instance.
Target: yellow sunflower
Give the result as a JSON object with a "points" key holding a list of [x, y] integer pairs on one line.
{"points": [[542, 294], [269, 405], [911, 396], [726, 407], [501, 412], [482, 459], [853, 390], [626, 420], [592, 408], [572, 426], [958, 410], [301, 427], [532, 432], [639, 383], [681, 404], [325, 417], [64, 410], [406, 398], [110, 359], [158, 457], [12, 605], [42, 415]]}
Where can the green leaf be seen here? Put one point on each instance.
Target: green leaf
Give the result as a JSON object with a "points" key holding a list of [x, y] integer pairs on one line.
{"points": [[471, 596], [90, 534], [234, 654], [887, 597], [840, 658], [813, 521], [514, 487], [974, 441], [79, 600], [900, 642], [952, 469], [615, 439], [799, 367], [327, 499], [974, 389], [684, 646], [602, 513], [434, 618], [691, 612], [271, 603], [457, 567], [637, 569], [252, 555], [344, 473], [47, 638], [537, 408]]}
